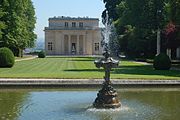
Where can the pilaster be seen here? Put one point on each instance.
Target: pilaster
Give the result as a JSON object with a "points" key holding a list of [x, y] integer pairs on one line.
{"points": [[77, 45], [69, 44], [178, 52]]}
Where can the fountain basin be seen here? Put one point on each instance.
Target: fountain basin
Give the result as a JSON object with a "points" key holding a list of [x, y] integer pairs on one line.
{"points": [[75, 104], [103, 62]]}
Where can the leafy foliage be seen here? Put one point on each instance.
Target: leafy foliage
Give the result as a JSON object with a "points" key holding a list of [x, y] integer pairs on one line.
{"points": [[6, 57], [136, 22], [41, 54], [171, 36], [2, 25], [20, 23], [162, 62], [173, 8]]}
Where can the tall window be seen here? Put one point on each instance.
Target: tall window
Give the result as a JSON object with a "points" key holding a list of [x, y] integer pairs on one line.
{"points": [[66, 24], [96, 46], [81, 24], [50, 46], [73, 24]]}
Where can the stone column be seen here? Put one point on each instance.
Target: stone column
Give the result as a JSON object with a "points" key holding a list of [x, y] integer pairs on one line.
{"points": [[69, 44], [84, 44], [77, 47], [169, 53], [93, 50], [178, 53], [62, 44], [158, 41]]}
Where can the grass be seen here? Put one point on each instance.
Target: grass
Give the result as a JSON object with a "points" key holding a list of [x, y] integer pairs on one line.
{"points": [[82, 67]]}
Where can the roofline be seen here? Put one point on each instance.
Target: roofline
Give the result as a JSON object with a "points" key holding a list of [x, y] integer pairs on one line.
{"points": [[72, 18], [47, 28]]}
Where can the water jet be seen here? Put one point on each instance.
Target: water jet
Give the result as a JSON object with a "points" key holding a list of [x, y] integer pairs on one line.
{"points": [[107, 97]]}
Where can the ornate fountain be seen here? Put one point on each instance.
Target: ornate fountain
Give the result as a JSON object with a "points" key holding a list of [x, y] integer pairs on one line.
{"points": [[107, 97]]}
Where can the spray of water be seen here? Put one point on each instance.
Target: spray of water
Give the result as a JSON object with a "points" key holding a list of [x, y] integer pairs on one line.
{"points": [[123, 108], [106, 32]]}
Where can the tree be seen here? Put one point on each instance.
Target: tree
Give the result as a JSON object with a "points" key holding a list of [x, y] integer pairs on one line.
{"points": [[173, 7], [20, 21], [111, 8], [2, 25], [144, 17], [31, 21]]}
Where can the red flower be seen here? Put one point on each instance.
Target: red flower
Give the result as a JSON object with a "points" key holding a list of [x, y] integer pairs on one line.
{"points": [[170, 28]]}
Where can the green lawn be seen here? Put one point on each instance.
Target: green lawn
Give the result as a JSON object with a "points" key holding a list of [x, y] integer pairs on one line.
{"points": [[82, 67]]}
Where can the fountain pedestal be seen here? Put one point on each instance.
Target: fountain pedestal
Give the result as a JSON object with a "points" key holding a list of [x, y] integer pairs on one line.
{"points": [[107, 96]]}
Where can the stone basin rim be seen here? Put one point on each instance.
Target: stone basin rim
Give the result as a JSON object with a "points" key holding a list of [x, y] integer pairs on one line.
{"points": [[9, 81]]}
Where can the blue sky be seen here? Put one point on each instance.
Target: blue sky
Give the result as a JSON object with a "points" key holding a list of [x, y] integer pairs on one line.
{"points": [[74, 8]]}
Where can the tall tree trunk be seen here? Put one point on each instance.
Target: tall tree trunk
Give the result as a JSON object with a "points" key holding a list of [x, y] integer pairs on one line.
{"points": [[20, 53]]}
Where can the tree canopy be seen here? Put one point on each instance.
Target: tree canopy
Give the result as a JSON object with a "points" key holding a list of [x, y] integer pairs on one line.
{"points": [[2, 25], [18, 25], [136, 22]]}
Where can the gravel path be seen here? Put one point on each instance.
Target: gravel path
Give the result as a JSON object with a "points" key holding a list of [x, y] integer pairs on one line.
{"points": [[29, 58]]}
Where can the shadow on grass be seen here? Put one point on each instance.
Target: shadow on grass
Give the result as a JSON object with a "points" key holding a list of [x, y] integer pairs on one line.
{"points": [[70, 57], [75, 59], [82, 60], [84, 70], [145, 70], [134, 70]]}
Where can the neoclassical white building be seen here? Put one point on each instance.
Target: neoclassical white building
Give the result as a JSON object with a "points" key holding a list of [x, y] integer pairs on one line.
{"points": [[73, 36]]}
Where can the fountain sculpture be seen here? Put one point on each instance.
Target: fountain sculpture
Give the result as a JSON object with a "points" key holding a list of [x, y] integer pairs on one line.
{"points": [[107, 96]]}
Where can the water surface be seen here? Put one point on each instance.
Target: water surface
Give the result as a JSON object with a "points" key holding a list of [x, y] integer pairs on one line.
{"points": [[137, 104]]}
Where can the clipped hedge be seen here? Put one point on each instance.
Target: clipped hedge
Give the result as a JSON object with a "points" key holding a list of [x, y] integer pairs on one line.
{"points": [[41, 54], [162, 62], [6, 57]]}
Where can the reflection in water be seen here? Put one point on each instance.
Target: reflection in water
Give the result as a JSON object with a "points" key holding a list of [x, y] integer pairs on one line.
{"points": [[166, 101], [76, 105], [11, 104]]}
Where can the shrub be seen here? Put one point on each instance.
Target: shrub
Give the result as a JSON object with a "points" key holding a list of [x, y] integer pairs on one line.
{"points": [[41, 54], [6, 57], [162, 62]]}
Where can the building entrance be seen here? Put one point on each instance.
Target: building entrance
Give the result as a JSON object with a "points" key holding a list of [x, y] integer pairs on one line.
{"points": [[73, 48]]}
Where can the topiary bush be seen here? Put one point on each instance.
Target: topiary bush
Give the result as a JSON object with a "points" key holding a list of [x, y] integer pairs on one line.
{"points": [[41, 54], [162, 62], [6, 57]]}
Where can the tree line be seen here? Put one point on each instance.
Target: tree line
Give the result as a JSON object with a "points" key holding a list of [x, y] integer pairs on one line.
{"points": [[137, 21], [17, 24]]}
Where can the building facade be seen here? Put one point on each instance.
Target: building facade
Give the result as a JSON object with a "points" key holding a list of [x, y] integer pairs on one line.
{"points": [[73, 36]]}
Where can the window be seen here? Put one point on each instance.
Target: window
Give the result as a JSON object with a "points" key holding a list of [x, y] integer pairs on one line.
{"points": [[73, 24], [50, 45], [96, 46], [66, 24], [81, 24]]}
